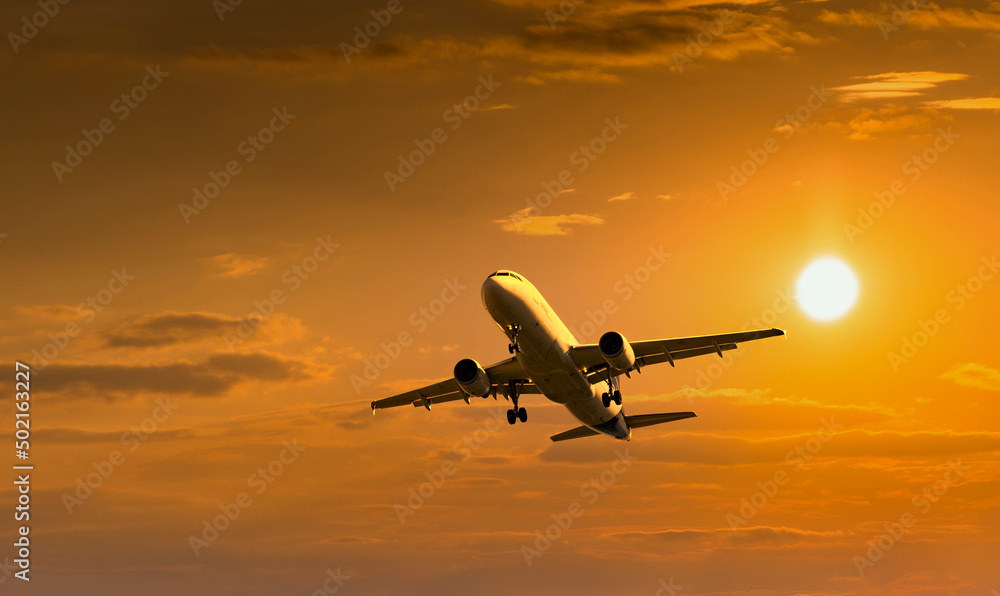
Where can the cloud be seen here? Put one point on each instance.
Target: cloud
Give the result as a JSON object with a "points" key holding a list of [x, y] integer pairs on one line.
{"points": [[168, 328], [171, 328], [56, 313], [324, 62], [926, 16], [593, 45], [974, 374], [971, 103], [78, 436], [741, 535], [233, 265], [625, 196], [211, 377], [895, 84], [432, 349], [574, 75], [603, 36], [546, 225], [891, 119]]}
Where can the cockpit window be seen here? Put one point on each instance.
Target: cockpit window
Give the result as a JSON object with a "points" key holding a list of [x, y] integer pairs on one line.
{"points": [[506, 273]]}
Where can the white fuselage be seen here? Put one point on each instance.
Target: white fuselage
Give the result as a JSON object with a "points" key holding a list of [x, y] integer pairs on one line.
{"points": [[545, 352]]}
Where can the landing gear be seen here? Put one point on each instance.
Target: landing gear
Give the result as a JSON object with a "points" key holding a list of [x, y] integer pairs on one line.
{"points": [[521, 414], [516, 413], [607, 398], [513, 347]]}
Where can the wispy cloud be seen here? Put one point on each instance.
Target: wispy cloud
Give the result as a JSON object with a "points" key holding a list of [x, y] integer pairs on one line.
{"points": [[974, 374], [546, 225], [234, 265], [625, 196], [970, 103], [891, 119], [926, 16], [49, 312], [895, 84]]}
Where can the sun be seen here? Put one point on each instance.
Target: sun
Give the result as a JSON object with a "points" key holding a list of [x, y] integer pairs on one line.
{"points": [[826, 289]]}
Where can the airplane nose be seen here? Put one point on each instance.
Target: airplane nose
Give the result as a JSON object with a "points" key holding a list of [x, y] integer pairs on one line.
{"points": [[492, 291]]}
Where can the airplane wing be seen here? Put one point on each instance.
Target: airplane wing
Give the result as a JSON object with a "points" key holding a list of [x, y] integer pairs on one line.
{"points": [[588, 356], [447, 390]]}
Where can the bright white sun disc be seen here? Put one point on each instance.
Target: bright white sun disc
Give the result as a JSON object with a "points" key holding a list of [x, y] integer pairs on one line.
{"points": [[826, 289]]}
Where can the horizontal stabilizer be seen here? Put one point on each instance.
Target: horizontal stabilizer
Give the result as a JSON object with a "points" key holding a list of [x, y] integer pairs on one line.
{"points": [[633, 421], [576, 433], [650, 419]]}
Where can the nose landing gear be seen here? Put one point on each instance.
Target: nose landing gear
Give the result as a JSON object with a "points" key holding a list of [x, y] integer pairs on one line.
{"points": [[513, 347], [615, 396]]}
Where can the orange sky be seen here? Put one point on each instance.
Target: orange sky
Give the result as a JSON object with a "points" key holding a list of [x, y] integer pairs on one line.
{"points": [[171, 174]]}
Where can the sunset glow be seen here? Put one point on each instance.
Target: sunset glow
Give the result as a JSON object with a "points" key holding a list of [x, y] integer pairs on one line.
{"points": [[228, 227]]}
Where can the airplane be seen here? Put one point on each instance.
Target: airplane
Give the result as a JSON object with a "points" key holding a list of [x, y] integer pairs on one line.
{"points": [[548, 360]]}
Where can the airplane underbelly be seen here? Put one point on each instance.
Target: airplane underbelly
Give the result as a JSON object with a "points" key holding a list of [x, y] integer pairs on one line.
{"points": [[561, 382]]}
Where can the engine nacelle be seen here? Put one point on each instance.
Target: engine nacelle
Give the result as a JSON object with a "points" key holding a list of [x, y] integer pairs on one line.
{"points": [[616, 351], [471, 378]]}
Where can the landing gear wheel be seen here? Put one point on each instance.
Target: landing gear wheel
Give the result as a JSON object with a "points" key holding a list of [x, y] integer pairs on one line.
{"points": [[618, 397], [605, 399], [516, 413], [510, 348]]}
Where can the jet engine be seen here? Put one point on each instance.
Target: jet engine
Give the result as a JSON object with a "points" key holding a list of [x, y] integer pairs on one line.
{"points": [[471, 378], [616, 351]]}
